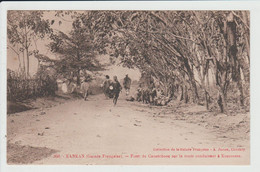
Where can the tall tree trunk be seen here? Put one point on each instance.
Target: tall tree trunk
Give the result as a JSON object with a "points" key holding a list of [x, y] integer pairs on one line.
{"points": [[20, 63], [192, 79], [78, 70], [78, 77], [232, 52], [24, 65], [245, 18], [28, 63], [220, 87], [240, 87], [204, 86], [205, 93], [27, 54], [208, 83], [182, 93], [186, 94], [222, 101]]}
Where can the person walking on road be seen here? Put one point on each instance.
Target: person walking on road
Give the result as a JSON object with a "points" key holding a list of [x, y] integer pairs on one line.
{"points": [[127, 84], [116, 90], [85, 88], [107, 83]]}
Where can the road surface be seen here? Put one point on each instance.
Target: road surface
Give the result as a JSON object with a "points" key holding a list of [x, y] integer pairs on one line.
{"points": [[130, 133]]}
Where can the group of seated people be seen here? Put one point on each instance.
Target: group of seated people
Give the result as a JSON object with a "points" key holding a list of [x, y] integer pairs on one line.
{"points": [[146, 93], [149, 94]]}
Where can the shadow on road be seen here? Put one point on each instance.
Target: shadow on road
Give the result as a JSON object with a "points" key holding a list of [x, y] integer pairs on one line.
{"points": [[20, 154]]}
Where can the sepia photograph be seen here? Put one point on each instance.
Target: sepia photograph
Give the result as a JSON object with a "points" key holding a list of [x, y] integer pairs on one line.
{"points": [[128, 87]]}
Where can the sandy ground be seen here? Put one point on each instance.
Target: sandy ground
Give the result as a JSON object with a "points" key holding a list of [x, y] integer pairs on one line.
{"points": [[96, 132]]}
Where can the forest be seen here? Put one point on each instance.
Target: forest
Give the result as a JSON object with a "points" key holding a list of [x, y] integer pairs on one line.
{"points": [[200, 57]]}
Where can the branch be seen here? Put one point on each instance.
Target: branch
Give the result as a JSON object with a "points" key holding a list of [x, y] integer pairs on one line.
{"points": [[197, 17], [13, 49], [166, 46], [158, 17], [184, 38], [241, 20], [64, 19], [172, 35]]}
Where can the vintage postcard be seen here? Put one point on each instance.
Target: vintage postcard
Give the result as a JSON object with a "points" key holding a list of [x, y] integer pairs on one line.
{"points": [[128, 86]]}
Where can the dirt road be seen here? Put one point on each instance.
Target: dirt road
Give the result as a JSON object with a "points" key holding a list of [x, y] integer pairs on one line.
{"points": [[96, 132]]}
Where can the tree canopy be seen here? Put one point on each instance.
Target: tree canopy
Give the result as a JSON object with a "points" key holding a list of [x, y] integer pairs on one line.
{"points": [[201, 53], [24, 28]]}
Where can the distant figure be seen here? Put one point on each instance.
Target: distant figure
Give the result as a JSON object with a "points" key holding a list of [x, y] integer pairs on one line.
{"points": [[85, 88], [64, 87], [116, 89], [127, 84], [153, 92], [139, 93], [107, 83], [151, 85], [145, 95]]}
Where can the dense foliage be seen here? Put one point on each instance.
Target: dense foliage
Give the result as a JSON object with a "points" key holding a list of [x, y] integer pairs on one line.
{"points": [[192, 50], [20, 88], [201, 55]]}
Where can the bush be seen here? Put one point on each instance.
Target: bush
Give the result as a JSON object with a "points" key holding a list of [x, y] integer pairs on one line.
{"points": [[20, 88]]}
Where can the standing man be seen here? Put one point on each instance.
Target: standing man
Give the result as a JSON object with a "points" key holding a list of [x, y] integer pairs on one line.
{"points": [[106, 85], [85, 88], [127, 84], [152, 91], [116, 89]]}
